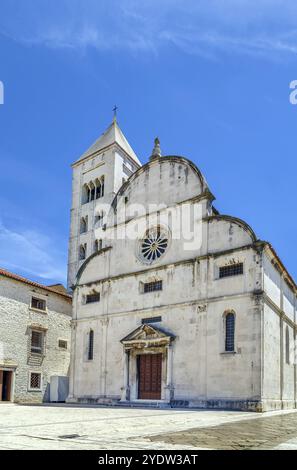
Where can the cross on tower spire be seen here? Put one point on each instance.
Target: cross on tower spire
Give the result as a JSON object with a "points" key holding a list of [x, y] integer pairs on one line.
{"points": [[115, 108]]}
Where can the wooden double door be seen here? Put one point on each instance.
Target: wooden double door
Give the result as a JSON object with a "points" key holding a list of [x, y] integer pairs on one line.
{"points": [[149, 376], [5, 385]]}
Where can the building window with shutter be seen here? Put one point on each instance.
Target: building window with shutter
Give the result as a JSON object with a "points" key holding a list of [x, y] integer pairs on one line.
{"points": [[91, 345], [91, 298], [231, 270], [37, 342], [229, 331], [38, 304], [62, 344], [152, 286], [145, 321], [35, 382]]}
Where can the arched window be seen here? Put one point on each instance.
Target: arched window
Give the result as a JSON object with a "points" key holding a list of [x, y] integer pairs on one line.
{"points": [[86, 193], [82, 251], [93, 189], [99, 220], [229, 331], [287, 345], [100, 188], [84, 224], [97, 245], [91, 345]]}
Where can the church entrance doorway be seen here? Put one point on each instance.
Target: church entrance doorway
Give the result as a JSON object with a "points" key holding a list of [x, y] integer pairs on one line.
{"points": [[5, 385], [149, 376]]}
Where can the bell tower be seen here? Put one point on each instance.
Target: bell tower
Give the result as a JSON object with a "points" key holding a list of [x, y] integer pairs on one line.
{"points": [[97, 176]]}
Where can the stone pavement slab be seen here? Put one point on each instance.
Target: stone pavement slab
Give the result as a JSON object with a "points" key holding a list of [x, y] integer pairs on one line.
{"points": [[93, 427], [270, 432]]}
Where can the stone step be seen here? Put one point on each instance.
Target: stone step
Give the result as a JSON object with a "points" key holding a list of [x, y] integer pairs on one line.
{"points": [[143, 404], [124, 404]]}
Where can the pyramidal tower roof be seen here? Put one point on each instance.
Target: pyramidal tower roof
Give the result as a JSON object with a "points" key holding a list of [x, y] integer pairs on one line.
{"points": [[113, 135]]}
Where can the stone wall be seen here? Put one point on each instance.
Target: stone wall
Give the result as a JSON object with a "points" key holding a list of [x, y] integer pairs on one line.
{"points": [[16, 317], [279, 339]]}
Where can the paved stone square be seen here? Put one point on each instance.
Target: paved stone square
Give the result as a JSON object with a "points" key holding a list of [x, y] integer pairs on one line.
{"points": [[90, 427]]}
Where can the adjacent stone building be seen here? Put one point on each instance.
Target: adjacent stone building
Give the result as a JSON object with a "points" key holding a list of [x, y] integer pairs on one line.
{"points": [[205, 321], [35, 336]]}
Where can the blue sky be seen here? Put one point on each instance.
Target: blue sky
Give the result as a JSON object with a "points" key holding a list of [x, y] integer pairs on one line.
{"points": [[210, 78]]}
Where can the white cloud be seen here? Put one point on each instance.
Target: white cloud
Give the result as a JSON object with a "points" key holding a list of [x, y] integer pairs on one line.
{"points": [[205, 27], [207, 43], [31, 252]]}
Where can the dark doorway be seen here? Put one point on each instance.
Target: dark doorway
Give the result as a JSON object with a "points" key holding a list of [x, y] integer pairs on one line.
{"points": [[5, 385], [149, 376]]}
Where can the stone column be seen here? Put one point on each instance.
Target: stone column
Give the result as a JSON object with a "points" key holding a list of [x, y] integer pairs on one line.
{"points": [[126, 389], [169, 384]]}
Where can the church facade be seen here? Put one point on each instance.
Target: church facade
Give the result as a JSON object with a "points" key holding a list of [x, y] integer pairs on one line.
{"points": [[174, 303]]}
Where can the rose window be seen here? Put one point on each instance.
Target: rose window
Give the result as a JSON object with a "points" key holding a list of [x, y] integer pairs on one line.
{"points": [[154, 244]]}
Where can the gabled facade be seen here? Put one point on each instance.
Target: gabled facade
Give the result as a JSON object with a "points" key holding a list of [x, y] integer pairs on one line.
{"points": [[205, 321]]}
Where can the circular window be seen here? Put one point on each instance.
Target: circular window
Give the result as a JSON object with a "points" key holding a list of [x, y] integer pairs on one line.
{"points": [[154, 244]]}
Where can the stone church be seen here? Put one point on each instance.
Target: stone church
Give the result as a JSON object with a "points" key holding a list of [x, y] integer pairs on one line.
{"points": [[203, 317]]}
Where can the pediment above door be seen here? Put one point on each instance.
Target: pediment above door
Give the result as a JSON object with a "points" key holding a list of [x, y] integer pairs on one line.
{"points": [[146, 336]]}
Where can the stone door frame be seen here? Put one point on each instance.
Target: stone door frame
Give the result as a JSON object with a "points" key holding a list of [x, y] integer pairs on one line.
{"points": [[147, 339]]}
